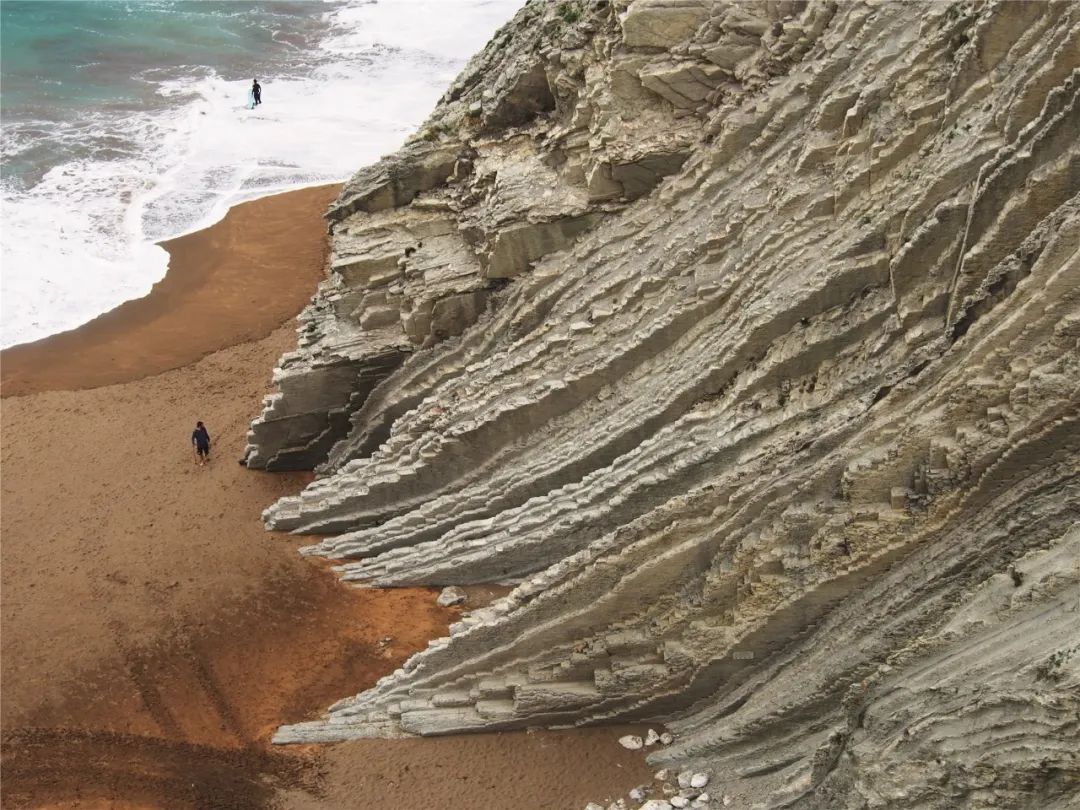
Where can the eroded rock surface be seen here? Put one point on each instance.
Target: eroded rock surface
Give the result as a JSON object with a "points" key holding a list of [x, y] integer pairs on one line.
{"points": [[744, 338]]}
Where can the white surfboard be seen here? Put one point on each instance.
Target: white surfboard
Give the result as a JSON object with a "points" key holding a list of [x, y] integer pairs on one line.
{"points": [[251, 100]]}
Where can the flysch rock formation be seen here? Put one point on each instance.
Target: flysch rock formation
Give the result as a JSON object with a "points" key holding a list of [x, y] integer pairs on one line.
{"points": [[743, 339]]}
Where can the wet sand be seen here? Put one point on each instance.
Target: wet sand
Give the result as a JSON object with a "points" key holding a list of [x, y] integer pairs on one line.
{"points": [[154, 635]]}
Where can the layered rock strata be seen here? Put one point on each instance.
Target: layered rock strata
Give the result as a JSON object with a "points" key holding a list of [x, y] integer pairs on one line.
{"points": [[744, 339]]}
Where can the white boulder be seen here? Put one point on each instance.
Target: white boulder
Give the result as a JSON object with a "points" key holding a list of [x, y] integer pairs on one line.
{"points": [[631, 741], [453, 596]]}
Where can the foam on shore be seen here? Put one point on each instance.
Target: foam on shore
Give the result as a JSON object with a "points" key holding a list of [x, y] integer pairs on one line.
{"points": [[82, 239]]}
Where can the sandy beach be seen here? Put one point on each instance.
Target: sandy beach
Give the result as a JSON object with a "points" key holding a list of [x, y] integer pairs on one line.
{"points": [[231, 283], [154, 635]]}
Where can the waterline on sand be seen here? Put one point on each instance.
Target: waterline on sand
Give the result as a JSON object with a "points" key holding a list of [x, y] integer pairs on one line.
{"points": [[119, 152]]}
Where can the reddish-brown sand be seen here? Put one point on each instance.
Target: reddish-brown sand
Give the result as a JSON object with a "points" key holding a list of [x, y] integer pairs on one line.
{"points": [[154, 634]]}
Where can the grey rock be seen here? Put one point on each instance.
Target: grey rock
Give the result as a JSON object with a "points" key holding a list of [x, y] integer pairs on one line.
{"points": [[662, 23], [748, 352], [396, 180]]}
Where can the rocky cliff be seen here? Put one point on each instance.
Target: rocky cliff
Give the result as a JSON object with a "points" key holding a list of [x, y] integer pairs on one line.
{"points": [[743, 339]]}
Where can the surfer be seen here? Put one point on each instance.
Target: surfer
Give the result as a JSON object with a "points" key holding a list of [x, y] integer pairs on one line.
{"points": [[256, 92]]}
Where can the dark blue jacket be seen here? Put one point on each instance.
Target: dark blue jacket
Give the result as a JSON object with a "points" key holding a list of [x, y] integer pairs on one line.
{"points": [[200, 437]]}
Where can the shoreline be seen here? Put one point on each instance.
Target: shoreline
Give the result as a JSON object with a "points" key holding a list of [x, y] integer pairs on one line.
{"points": [[155, 634], [213, 219], [205, 302]]}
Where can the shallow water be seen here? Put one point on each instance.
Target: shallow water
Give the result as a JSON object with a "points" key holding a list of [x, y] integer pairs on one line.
{"points": [[123, 124]]}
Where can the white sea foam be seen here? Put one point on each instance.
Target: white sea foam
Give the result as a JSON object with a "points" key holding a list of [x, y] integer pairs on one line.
{"points": [[81, 241]]}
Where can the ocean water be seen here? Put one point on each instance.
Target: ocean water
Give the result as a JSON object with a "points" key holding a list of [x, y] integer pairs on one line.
{"points": [[124, 123]]}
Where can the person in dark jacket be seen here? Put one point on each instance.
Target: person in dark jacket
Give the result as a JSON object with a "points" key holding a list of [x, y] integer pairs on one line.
{"points": [[256, 92], [200, 440]]}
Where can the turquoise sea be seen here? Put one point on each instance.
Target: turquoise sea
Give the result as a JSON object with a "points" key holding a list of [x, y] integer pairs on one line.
{"points": [[74, 64], [123, 123]]}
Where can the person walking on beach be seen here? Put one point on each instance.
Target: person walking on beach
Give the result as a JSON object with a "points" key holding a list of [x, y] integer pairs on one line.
{"points": [[256, 92], [200, 440]]}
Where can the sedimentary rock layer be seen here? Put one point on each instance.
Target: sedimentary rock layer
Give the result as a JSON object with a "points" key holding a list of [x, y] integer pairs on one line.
{"points": [[744, 339]]}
